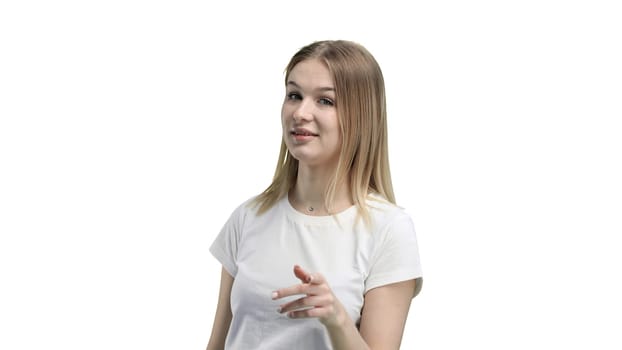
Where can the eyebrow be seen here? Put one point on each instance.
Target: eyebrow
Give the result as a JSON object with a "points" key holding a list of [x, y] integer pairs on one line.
{"points": [[323, 88]]}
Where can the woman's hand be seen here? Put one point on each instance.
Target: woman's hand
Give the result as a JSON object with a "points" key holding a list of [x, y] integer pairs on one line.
{"points": [[318, 300]]}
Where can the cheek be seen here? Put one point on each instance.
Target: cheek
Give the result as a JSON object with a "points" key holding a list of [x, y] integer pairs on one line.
{"points": [[283, 116], [339, 137], [285, 113], [335, 135], [336, 129]]}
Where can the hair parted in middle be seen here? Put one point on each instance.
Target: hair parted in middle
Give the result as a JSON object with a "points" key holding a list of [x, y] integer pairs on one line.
{"points": [[361, 109]]}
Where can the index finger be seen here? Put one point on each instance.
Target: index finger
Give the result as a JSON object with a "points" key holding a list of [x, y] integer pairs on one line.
{"points": [[289, 291]]}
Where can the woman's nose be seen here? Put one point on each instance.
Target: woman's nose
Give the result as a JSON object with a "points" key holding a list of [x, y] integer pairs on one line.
{"points": [[304, 112]]}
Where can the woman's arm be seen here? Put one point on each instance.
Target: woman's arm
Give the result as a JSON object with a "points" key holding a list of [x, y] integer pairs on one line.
{"points": [[384, 314], [382, 320], [222, 320]]}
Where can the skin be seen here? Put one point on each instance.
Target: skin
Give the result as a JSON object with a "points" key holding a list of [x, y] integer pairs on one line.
{"points": [[222, 319], [382, 320], [310, 104]]}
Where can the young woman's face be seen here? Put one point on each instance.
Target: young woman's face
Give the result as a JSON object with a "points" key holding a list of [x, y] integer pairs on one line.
{"points": [[309, 115]]}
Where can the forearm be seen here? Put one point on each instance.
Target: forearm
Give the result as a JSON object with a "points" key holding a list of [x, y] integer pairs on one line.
{"points": [[344, 335], [320, 302], [223, 316]]}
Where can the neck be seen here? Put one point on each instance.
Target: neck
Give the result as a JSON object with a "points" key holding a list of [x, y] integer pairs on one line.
{"points": [[308, 195]]}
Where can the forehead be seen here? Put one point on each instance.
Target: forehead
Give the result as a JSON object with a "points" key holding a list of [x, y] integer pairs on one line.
{"points": [[311, 73]]}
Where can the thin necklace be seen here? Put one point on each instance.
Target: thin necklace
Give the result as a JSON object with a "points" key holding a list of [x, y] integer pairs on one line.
{"points": [[309, 208]]}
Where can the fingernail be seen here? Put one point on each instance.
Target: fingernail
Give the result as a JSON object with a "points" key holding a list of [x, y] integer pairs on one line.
{"points": [[279, 309], [275, 295]]}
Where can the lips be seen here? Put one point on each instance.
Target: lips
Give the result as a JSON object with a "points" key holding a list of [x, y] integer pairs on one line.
{"points": [[302, 132]]}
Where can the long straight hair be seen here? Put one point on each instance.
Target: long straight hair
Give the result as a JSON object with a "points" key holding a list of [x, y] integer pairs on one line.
{"points": [[361, 112]]}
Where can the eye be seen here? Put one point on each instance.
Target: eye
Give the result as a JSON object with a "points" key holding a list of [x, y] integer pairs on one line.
{"points": [[294, 96], [326, 102]]}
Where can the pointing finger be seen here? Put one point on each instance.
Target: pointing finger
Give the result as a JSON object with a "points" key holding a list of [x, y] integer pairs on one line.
{"points": [[298, 289], [293, 290]]}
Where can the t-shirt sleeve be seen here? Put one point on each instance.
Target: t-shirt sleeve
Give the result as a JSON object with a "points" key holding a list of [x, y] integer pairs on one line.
{"points": [[225, 246], [396, 255]]}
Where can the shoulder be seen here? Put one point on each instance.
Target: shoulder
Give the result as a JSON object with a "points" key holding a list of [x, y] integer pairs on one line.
{"points": [[386, 215], [248, 210], [245, 209]]}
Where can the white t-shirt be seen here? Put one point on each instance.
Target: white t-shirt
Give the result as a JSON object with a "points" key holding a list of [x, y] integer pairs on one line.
{"points": [[261, 251]]}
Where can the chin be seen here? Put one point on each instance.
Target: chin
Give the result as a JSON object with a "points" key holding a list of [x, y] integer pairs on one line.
{"points": [[301, 157]]}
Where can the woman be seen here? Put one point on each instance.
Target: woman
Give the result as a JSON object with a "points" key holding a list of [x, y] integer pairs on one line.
{"points": [[323, 258]]}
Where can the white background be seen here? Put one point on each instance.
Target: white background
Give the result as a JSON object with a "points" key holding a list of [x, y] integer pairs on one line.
{"points": [[129, 130]]}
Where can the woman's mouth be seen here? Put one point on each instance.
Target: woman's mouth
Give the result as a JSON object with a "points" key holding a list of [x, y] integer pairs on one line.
{"points": [[302, 135], [302, 132]]}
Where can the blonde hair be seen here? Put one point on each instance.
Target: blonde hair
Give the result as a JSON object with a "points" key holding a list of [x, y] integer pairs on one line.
{"points": [[361, 109]]}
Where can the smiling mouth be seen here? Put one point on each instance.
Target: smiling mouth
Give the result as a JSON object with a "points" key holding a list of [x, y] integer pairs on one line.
{"points": [[302, 133]]}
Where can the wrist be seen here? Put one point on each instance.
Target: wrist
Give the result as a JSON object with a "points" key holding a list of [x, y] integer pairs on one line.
{"points": [[343, 333], [339, 321]]}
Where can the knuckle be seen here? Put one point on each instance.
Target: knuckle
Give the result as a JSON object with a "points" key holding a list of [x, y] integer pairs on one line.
{"points": [[315, 313]]}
